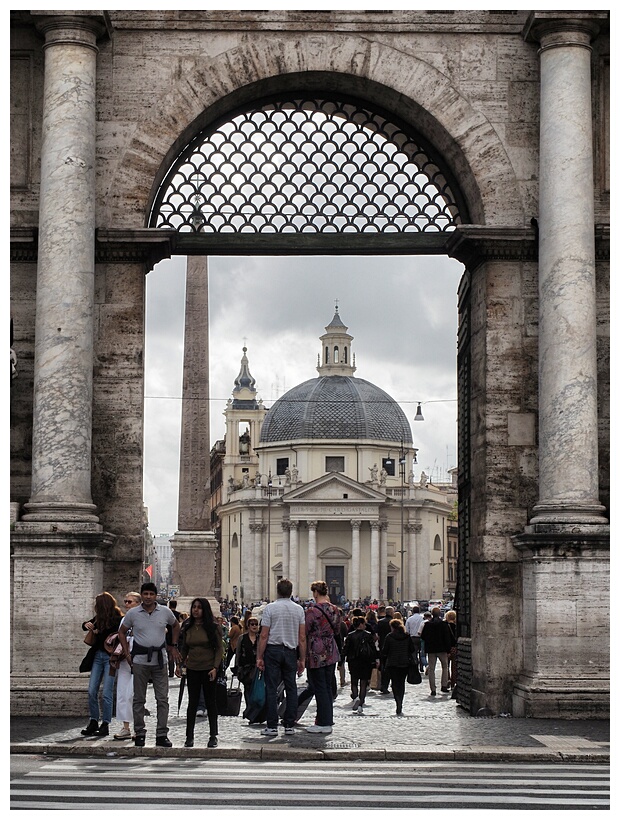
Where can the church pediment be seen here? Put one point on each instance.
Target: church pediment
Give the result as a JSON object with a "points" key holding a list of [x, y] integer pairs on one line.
{"points": [[334, 487]]}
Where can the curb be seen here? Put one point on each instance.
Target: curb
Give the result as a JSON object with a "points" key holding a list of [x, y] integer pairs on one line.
{"points": [[266, 752]]}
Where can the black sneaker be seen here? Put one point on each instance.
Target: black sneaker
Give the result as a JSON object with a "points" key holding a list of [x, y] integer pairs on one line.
{"points": [[163, 741], [212, 743], [140, 740]]}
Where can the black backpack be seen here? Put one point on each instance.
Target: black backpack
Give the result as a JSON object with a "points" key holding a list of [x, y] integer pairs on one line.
{"points": [[365, 649]]}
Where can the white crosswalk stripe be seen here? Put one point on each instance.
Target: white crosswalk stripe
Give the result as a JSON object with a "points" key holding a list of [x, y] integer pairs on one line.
{"points": [[143, 783]]}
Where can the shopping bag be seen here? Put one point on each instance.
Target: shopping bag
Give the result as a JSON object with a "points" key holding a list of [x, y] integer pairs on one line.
{"points": [[375, 679]]}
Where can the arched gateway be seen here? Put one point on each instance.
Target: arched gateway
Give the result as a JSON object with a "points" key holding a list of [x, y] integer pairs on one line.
{"points": [[447, 160]]}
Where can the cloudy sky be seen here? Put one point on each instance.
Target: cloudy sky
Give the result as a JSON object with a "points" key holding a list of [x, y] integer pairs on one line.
{"points": [[401, 311]]}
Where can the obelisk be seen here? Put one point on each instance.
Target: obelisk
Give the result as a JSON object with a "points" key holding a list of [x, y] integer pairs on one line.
{"points": [[194, 543]]}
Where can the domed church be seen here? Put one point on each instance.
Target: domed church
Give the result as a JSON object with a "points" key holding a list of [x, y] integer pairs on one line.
{"points": [[323, 486]]}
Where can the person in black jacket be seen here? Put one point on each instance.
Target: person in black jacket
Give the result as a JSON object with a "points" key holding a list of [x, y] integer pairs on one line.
{"points": [[397, 650], [438, 641], [360, 651], [383, 630], [245, 657]]}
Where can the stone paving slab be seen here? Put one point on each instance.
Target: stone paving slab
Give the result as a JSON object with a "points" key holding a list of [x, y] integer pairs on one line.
{"points": [[431, 728]]}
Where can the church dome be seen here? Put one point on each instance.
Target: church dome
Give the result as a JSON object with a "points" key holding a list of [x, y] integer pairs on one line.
{"points": [[336, 407]]}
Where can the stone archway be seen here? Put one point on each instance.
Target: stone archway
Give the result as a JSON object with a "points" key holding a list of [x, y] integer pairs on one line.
{"points": [[527, 537]]}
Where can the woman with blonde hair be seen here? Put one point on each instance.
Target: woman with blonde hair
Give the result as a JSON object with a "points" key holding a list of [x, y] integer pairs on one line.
{"points": [[105, 622], [124, 678], [451, 621]]}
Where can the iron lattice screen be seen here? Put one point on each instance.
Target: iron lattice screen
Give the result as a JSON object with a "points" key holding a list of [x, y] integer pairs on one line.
{"points": [[306, 166]]}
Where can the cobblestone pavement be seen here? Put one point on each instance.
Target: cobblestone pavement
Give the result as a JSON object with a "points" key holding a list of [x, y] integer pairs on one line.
{"points": [[430, 728]]}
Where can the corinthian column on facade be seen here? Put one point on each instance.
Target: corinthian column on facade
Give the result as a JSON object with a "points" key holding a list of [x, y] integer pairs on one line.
{"points": [[412, 529], [355, 559], [422, 564], [258, 529], [63, 368], [247, 567], [568, 421], [374, 559], [312, 525], [383, 533], [194, 491], [285, 548], [293, 563]]}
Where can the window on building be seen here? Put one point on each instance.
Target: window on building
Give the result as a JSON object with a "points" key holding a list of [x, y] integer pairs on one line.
{"points": [[326, 355], [334, 464], [336, 355], [437, 543], [346, 355], [281, 465], [389, 465]]}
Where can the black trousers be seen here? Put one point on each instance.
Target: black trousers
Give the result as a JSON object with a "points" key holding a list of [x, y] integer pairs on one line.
{"points": [[198, 681], [398, 675]]}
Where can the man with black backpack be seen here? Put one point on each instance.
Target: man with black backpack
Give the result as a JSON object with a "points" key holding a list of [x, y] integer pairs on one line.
{"points": [[360, 651]]}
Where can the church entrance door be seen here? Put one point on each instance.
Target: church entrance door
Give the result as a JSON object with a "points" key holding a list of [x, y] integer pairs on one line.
{"points": [[335, 584]]}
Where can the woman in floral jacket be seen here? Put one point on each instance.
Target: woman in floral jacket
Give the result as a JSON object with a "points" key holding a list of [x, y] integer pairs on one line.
{"points": [[322, 654]]}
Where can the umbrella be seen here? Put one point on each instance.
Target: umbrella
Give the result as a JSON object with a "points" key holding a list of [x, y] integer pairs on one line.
{"points": [[181, 690]]}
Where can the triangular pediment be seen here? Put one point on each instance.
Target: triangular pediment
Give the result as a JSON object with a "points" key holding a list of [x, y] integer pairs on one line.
{"points": [[333, 487]]}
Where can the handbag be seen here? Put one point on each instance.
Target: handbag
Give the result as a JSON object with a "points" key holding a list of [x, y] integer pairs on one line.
{"points": [[257, 707], [413, 673], [90, 637]]}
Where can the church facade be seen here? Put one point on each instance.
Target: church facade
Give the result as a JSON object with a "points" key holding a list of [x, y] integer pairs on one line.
{"points": [[322, 486]]}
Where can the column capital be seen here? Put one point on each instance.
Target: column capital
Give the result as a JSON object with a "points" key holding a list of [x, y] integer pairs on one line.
{"points": [[286, 526], [355, 524], [564, 28], [293, 525], [64, 28], [374, 525], [413, 526], [312, 525], [257, 527]]}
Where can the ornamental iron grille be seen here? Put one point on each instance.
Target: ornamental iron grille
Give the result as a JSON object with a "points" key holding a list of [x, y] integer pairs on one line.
{"points": [[306, 166]]}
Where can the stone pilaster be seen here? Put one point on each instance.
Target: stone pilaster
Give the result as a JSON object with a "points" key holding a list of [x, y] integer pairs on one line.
{"points": [[355, 559]]}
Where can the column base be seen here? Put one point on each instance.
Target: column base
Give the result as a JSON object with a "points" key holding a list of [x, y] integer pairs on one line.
{"points": [[568, 514], [561, 698], [60, 511]]}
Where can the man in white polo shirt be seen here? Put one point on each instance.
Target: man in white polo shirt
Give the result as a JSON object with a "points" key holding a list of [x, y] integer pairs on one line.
{"points": [[148, 659], [281, 652]]}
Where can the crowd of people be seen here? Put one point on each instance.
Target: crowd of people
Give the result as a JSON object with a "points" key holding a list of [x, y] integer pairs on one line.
{"points": [[382, 646]]}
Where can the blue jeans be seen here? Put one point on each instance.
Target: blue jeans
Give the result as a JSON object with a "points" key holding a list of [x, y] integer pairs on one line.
{"points": [[280, 665], [99, 673], [321, 679]]}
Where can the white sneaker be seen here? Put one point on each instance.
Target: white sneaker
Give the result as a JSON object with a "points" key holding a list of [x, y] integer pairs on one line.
{"points": [[319, 730], [200, 713], [269, 732], [289, 730], [360, 710]]}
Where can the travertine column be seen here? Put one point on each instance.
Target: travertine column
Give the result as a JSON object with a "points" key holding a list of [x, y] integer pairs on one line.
{"points": [[568, 434], [247, 564], [355, 559], [412, 529], [63, 373], [258, 529], [293, 563], [194, 514], [383, 531], [422, 562], [312, 525], [374, 559], [285, 548]]}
